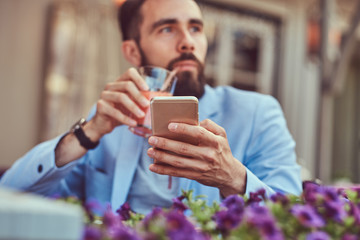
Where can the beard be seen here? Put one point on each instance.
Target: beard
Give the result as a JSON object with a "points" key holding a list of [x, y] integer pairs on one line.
{"points": [[188, 83]]}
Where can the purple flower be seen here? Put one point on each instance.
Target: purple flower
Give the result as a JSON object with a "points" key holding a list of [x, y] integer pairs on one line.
{"points": [[256, 213], [123, 233], [330, 194], [110, 219], [311, 191], [318, 235], [178, 204], [94, 207], [348, 236], [335, 210], [230, 217], [177, 221], [92, 233], [307, 216], [261, 218], [227, 220], [179, 228], [270, 231], [124, 211], [327, 198], [155, 213], [257, 196], [233, 202], [341, 192], [355, 212], [357, 190], [280, 198]]}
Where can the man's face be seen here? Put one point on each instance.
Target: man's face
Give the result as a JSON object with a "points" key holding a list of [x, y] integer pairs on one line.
{"points": [[172, 37]]}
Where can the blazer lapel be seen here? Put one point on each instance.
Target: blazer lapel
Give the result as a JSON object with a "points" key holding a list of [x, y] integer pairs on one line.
{"points": [[125, 167], [209, 104]]}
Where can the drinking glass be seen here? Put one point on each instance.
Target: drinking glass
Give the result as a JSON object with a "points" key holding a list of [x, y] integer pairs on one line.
{"points": [[161, 82]]}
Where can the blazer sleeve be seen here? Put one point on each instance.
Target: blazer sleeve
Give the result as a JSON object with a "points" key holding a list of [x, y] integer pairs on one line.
{"points": [[36, 171], [270, 157]]}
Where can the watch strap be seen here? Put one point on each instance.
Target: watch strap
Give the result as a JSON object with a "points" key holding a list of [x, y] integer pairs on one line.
{"points": [[81, 136]]}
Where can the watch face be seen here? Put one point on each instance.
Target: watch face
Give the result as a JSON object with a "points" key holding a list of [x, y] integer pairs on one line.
{"points": [[78, 124], [84, 140]]}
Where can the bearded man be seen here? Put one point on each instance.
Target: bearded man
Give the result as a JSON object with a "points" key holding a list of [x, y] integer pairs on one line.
{"points": [[244, 144]]}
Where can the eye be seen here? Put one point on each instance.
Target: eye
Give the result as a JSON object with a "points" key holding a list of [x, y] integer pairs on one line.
{"points": [[196, 29], [165, 30]]}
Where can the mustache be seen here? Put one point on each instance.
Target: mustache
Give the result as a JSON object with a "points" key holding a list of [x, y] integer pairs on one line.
{"points": [[182, 57]]}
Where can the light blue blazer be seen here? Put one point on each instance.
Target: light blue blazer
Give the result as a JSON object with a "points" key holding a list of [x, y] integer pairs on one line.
{"points": [[256, 131]]}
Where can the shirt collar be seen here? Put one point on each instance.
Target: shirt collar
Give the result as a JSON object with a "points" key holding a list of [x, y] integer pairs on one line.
{"points": [[209, 103]]}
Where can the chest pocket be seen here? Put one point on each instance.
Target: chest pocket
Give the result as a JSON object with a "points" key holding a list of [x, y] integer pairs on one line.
{"points": [[98, 184]]}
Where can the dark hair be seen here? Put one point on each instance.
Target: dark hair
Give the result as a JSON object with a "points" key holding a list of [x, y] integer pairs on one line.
{"points": [[129, 19]]}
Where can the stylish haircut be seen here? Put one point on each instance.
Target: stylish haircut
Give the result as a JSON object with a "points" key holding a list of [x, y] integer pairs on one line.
{"points": [[130, 18]]}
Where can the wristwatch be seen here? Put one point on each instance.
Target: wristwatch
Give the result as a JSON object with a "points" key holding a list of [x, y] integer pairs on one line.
{"points": [[80, 135]]}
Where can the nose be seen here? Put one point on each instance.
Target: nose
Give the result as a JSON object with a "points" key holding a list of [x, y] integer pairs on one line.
{"points": [[186, 42]]}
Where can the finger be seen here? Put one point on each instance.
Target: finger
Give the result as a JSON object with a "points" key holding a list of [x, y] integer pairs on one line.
{"points": [[203, 136], [180, 148], [174, 171], [124, 100], [133, 75], [213, 127], [178, 161], [107, 109], [130, 88]]}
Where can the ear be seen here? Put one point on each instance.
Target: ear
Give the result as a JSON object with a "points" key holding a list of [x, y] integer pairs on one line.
{"points": [[131, 52]]}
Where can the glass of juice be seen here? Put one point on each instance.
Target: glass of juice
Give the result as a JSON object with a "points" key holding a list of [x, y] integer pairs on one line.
{"points": [[161, 82]]}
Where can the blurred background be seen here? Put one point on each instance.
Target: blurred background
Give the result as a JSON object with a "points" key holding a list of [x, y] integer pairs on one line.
{"points": [[56, 57]]}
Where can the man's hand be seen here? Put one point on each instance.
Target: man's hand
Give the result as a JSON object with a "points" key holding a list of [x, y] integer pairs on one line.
{"points": [[210, 162], [120, 103]]}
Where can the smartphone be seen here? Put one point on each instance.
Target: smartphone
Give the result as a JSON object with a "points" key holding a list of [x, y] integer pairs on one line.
{"points": [[182, 109]]}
